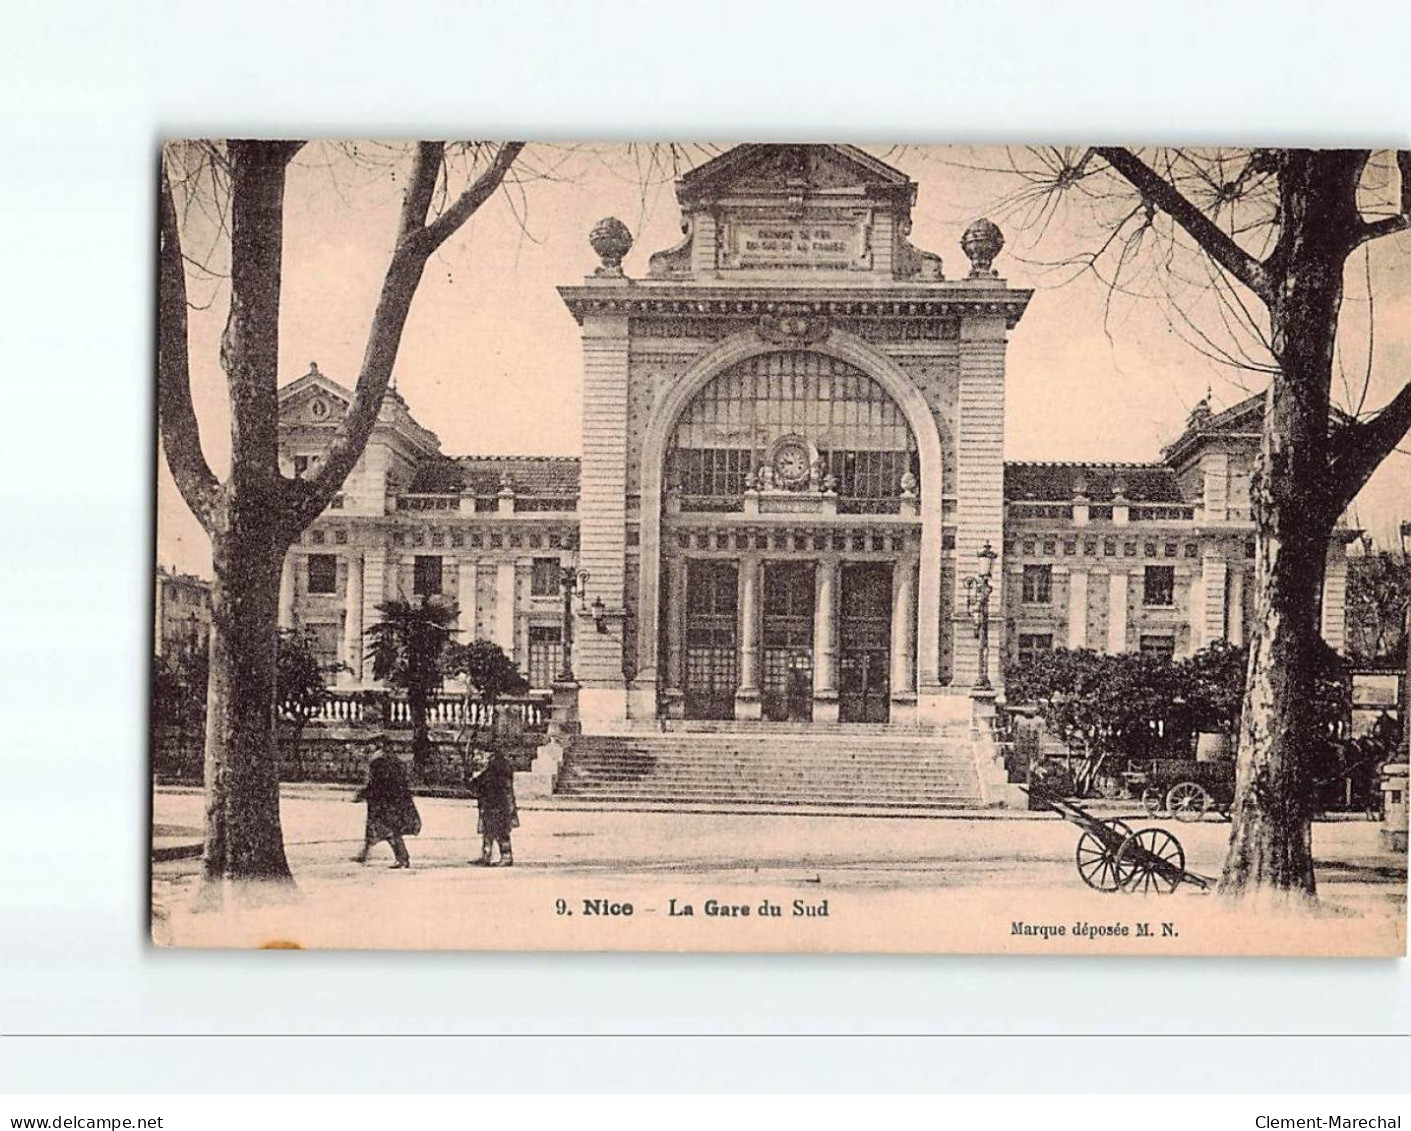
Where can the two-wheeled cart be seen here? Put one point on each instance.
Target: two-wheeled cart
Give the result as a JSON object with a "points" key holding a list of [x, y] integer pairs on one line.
{"points": [[1112, 856]]}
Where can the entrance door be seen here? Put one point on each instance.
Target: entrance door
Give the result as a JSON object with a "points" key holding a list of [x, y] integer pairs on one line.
{"points": [[712, 664], [786, 692], [864, 638]]}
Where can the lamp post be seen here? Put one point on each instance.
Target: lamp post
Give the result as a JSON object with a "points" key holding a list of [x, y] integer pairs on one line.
{"points": [[1406, 641], [571, 581], [1397, 771], [977, 602]]}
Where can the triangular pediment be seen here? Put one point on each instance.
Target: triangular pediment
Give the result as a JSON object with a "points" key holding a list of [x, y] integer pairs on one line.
{"points": [[761, 170], [317, 401]]}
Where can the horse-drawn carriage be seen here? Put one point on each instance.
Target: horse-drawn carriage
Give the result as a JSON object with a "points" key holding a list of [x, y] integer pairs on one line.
{"points": [[1182, 787]]}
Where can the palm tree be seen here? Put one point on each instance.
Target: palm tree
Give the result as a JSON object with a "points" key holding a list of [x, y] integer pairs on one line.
{"points": [[408, 650]]}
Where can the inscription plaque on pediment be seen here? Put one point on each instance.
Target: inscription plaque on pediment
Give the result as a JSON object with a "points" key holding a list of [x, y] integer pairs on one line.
{"points": [[820, 241]]}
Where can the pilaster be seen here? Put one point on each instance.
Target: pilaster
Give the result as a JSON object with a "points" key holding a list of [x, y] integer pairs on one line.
{"points": [[1208, 603], [1117, 612], [825, 642], [1334, 614], [598, 655], [505, 605], [286, 590], [353, 620], [1078, 608], [979, 488], [747, 699], [1235, 617], [467, 580]]}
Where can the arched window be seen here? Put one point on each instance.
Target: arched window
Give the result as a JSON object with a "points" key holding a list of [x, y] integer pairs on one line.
{"points": [[814, 421]]}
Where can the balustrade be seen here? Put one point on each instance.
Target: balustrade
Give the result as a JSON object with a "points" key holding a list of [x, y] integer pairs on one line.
{"points": [[444, 710]]}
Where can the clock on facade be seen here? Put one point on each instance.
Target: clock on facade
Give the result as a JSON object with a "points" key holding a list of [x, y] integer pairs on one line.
{"points": [[791, 463]]}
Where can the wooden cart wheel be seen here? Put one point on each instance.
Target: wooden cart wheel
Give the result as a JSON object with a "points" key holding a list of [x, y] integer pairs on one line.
{"points": [[1150, 861], [1188, 801], [1097, 861], [1154, 800]]}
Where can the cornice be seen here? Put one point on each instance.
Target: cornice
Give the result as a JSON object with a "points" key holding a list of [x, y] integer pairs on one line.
{"points": [[946, 300]]}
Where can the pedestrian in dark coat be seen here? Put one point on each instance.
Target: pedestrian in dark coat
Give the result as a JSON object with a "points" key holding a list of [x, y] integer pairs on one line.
{"points": [[493, 787], [391, 811]]}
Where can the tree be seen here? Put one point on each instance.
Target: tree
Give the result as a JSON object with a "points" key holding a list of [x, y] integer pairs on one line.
{"points": [[179, 679], [408, 649], [489, 675], [1275, 231], [255, 513], [1378, 587], [301, 682]]}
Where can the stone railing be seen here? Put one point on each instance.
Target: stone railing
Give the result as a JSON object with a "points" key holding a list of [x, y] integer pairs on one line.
{"points": [[1165, 512]]}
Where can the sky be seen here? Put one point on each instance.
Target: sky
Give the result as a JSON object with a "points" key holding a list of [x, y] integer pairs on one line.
{"points": [[491, 360]]}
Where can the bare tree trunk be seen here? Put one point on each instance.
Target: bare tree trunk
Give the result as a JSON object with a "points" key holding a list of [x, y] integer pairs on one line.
{"points": [[244, 838], [1295, 508]]}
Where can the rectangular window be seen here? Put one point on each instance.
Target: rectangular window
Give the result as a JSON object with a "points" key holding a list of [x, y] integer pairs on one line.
{"points": [[544, 581], [1159, 646], [1160, 585], [1034, 644], [301, 466], [545, 654], [1038, 584], [426, 575], [323, 573]]}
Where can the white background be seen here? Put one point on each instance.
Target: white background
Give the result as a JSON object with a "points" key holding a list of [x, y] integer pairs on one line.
{"points": [[88, 89]]}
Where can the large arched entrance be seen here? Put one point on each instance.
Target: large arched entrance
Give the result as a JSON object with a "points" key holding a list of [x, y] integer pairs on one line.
{"points": [[785, 538]]}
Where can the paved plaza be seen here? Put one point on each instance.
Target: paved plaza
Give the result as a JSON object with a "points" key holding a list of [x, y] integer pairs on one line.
{"points": [[995, 867]]}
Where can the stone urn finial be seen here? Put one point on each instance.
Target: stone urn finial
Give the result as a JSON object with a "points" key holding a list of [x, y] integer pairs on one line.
{"points": [[611, 240], [981, 243]]}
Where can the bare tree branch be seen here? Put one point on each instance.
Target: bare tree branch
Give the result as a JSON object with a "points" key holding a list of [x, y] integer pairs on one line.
{"points": [[1221, 247], [176, 415], [1389, 225], [1362, 447], [306, 498], [483, 187]]}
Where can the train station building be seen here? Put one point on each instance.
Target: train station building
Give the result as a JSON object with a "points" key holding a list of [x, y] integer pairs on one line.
{"points": [[792, 476]]}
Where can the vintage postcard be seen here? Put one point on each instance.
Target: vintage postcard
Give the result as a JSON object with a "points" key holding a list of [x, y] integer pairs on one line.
{"points": [[782, 547]]}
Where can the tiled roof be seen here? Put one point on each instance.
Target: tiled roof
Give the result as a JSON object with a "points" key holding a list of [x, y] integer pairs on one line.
{"points": [[1059, 482], [544, 476]]}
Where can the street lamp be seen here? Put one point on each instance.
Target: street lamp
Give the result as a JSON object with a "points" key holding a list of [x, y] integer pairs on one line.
{"points": [[571, 581], [1406, 640], [977, 603]]}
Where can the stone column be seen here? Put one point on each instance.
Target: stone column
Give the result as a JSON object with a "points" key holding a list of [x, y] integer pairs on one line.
{"points": [[353, 620], [286, 591], [467, 580], [825, 642], [505, 606], [1116, 612], [747, 701], [1078, 608], [1235, 632], [979, 487], [675, 636], [1334, 615], [903, 621], [602, 521]]}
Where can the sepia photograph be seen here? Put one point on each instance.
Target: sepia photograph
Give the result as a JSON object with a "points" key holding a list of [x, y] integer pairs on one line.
{"points": [[779, 547]]}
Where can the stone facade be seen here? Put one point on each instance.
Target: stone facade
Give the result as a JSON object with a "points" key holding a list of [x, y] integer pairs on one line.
{"points": [[181, 612], [793, 458]]}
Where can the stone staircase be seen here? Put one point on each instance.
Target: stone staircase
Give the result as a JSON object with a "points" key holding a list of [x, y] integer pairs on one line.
{"points": [[709, 765]]}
